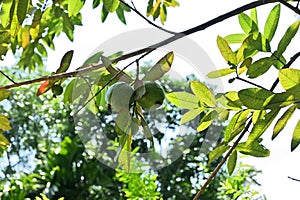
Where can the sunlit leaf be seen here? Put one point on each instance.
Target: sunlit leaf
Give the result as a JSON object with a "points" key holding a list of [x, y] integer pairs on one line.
{"points": [[231, 163], [220, 73], [74, 6], [255, 98], [296, 137], [236, 125], [217, 152], [247, 24], [281, 123], [262, 125], [260, 67], [4, 94], [203, 93], [258, 114], [207, 120], [253, 149], [183, 100], [111, 5], [287, 38], [225, 50], [163, 14], [160, 68], [253, 15], [190, 115], [6, 9], [272, 22], [289, 78]]}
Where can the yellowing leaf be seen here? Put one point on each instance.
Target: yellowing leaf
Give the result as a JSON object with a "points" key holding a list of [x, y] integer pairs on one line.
{"points": [[160, 68], [226, 51], [111, 5], [203, 93], [6, 9], [207, 120], [289, 78], [296, 137], [183, 100], [220, 73], [4, 94], [74, 6], [4, 123], [3, 140]]}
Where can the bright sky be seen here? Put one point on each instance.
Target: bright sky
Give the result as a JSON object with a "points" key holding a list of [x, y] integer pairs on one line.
{"points": [[282, 162]]}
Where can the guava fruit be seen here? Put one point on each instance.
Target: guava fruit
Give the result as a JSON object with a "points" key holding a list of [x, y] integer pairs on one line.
{"points": [[118, 96], [154, 96], [57, 90]]}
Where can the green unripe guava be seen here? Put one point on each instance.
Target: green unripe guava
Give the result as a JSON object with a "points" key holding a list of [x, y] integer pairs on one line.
{"points": [[57, 90], [118, 96], [154, 96]]}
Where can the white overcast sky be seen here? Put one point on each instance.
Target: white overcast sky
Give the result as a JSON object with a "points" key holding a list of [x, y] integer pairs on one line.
{"points": [[282, 162]]}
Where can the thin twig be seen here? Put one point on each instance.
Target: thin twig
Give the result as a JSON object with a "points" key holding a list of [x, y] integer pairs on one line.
{"points": [[152, 47], [294, 179], [292, 60], [249, 82], [10, 79], [145, 18], [216, 170], [295, 9]]}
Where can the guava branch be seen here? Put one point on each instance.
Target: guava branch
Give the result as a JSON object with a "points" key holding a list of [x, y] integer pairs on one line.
{"points": [[173, 38]]}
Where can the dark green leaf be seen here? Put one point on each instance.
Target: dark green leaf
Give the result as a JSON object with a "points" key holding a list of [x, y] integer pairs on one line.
{"points": [[65, 62], [253, 149], [104, 14], [296, 137], [94, 59], [231, 163], [111, 5], [260, 67], [255, 98], [217, 152], [281, 123], [22, 10], [272, 22], [120, 14]]}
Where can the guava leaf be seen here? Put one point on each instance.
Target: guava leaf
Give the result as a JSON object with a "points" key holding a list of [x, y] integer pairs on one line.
{"points": [[235, 38], [253, 149], [160, 68], [231, 163], [247, 24], [272, 22], [65, 62], [281, 123], [3, 140], [7, 9], [220, 73], [226, 51], [4, 123], [296, 137], [191, 114], [4, 94], [260, 67], [253, 15], [206, 121], [255, 98], [183, 100], [287, 38], [289, 78], [111, 5], [217, 152], [22, 10], [94, 59], [203, 93], [74, 7], [120, 75]]}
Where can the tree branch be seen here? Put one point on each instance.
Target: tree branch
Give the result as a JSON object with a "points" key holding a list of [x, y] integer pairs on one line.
{"points": [[295, 9], [216, 170], [149, 48], [294, 179]]}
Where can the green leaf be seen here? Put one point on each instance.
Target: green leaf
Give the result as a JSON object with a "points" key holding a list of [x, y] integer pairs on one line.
{"points": [[122, 76], [65, 62], [280, 100], [232, 100], [160, 68], [104, 14], [4, 123], [255, 98], [226, 51], [253, 15], [163, 14], [281, 123], [217, 152], [258, 114], [259, 42], [22, 10], [296, 137], [289, 78], [183, 100], [247, 24], [111, 5], [94, 59], [235, 38], [262, 125], [4, 94], [287, 38], [231, 163], [253, 149], [220, 73], [272, 22], [236, 125], [203, 93], [260, 67], [206, 121], [3, 140], [6, 9], [68, 98], [74, 7], [190, 115], [120, 14]]}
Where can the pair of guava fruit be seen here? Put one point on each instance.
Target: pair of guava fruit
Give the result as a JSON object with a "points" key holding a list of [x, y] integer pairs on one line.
{"points": [[121, 95]]}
